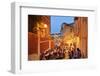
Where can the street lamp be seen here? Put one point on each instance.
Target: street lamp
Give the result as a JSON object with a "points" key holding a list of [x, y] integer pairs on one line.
{"points": [[45, 25]]}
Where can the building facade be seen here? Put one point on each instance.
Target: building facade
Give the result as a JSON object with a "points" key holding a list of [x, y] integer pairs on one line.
{"points": [[81, 30]]}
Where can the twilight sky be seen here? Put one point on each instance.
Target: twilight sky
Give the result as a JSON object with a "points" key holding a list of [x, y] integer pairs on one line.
{"points": [[56, 22]]}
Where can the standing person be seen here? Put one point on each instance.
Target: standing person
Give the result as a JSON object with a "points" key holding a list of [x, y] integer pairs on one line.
{"points": [[79, 53], [75, 54], [71, 53], [66, 54]]}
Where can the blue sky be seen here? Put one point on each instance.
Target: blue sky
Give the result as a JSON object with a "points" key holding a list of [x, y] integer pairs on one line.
{"points": [[56, 22]]}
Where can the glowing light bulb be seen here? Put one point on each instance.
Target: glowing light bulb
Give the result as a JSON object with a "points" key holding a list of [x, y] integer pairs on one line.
{"points": [[45, 25]]}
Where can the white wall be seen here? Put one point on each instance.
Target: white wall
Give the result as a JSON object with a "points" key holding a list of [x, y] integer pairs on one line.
{"points": [[5, 33]]}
